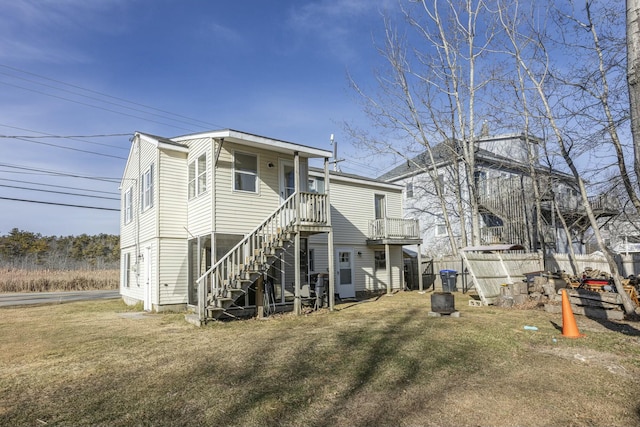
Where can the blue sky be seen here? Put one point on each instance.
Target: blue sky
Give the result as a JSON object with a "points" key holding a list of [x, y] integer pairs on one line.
{"points": [[84, 68]]}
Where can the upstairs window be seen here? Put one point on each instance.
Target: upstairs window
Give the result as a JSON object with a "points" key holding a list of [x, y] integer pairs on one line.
{"points": [[316, 185], [198, 176], [245, 172], [146, 189], [128, 209], [380, 206], [441, 230], [408, 190], [440, 183]]}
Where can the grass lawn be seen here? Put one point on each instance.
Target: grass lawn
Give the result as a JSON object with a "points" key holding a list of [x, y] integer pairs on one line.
{"points": [[379, 362]]}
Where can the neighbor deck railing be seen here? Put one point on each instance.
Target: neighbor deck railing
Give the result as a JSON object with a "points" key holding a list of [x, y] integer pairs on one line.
{"points": [[394, 228]]}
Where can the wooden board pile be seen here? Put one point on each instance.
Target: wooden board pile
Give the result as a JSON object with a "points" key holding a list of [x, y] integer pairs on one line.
{"points": [[591, 294]]}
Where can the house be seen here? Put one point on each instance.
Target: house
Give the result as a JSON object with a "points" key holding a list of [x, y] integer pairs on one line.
{"points": [[225, 222], [505, 168]]}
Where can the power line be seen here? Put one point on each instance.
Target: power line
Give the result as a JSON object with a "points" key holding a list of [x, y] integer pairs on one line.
{"points": [[70, 137], [62, 147], [97, 107], [59, 192], [107, 95], [59, 173], [57, 186], [59, 204]]}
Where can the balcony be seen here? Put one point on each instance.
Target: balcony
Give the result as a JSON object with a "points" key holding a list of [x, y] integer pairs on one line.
{"points": [[394, 231]]}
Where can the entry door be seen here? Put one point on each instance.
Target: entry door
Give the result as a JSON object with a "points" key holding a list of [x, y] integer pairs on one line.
{"points": [[287, 179], [344, 261], [147, 282]]}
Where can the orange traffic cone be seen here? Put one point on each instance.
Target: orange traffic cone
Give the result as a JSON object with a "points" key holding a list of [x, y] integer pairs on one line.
{"points": [[569, 326]]}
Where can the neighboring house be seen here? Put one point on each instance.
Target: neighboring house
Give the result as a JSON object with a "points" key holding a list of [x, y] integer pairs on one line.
{"points": [[227, 221], [505, 196]]}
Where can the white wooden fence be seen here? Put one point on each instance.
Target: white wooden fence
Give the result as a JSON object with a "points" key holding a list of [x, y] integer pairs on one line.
{"points": [[486, 272]]}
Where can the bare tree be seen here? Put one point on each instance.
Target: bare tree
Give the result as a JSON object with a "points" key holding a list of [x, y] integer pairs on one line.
{"points": [[563, 110], [429, 96]]}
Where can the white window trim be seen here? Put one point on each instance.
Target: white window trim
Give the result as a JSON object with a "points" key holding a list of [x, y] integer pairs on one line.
{"points": [[257, 174], [437, 233], [126, 269], [146, 189], [128, 205], [408, 190], [198, 189]]}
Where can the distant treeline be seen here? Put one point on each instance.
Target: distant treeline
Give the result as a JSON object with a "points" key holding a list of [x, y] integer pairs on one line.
{"points": [[26, 250]]}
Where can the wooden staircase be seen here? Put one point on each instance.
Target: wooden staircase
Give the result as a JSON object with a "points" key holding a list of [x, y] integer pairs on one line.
{"points": [[231, 276]]}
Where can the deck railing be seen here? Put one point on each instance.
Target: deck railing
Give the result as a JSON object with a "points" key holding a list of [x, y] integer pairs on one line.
{"points": [[394, 228]]}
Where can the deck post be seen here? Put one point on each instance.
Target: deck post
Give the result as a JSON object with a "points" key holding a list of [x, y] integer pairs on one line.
{"points": [[260, 297], [387, 255], [297, 303], [420, 284], [330, 255]]}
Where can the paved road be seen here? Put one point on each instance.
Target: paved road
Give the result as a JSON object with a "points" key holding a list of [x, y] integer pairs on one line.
{"points": [[11, 299]]}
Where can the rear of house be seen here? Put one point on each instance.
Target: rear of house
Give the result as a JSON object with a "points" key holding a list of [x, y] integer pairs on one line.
{"points": [[220, 220]]}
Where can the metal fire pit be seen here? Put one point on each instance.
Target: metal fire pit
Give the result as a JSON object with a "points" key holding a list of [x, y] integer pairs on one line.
{"points": [[442, 302]]}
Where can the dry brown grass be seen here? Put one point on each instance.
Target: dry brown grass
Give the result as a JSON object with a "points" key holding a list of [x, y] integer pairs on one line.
{"points": [[380, 362], [14, 280]]}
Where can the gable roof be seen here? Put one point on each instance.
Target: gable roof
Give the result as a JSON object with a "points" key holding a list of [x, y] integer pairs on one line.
{"points": [[442, 156], [251, 140]]}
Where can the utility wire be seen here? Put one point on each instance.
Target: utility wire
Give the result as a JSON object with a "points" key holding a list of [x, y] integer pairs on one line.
{"points": [[108, 96], [62, 147], [73, 138], [101, 100], [58, 186], [59, 192], [59, 173], [97, 107], [59, 204]]}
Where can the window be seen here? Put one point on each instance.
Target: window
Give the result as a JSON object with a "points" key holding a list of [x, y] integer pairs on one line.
{"points": [[126, 269], [128, 211], [408, 190], [316, 185], [146, 190], [441, 230], [198, 176], [480, 181], [380, 260], [245, 172], [440, 183], [380, 206]]}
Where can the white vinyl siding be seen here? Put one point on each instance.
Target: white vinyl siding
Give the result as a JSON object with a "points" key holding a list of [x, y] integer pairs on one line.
{"points": [[173, 271], [254, 206], [171, 183]]}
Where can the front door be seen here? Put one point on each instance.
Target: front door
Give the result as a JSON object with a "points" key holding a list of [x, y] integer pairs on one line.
{"points": [[346, 285]]}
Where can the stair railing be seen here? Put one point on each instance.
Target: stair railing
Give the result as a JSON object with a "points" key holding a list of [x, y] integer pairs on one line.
{"points": [[228, 268]]}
